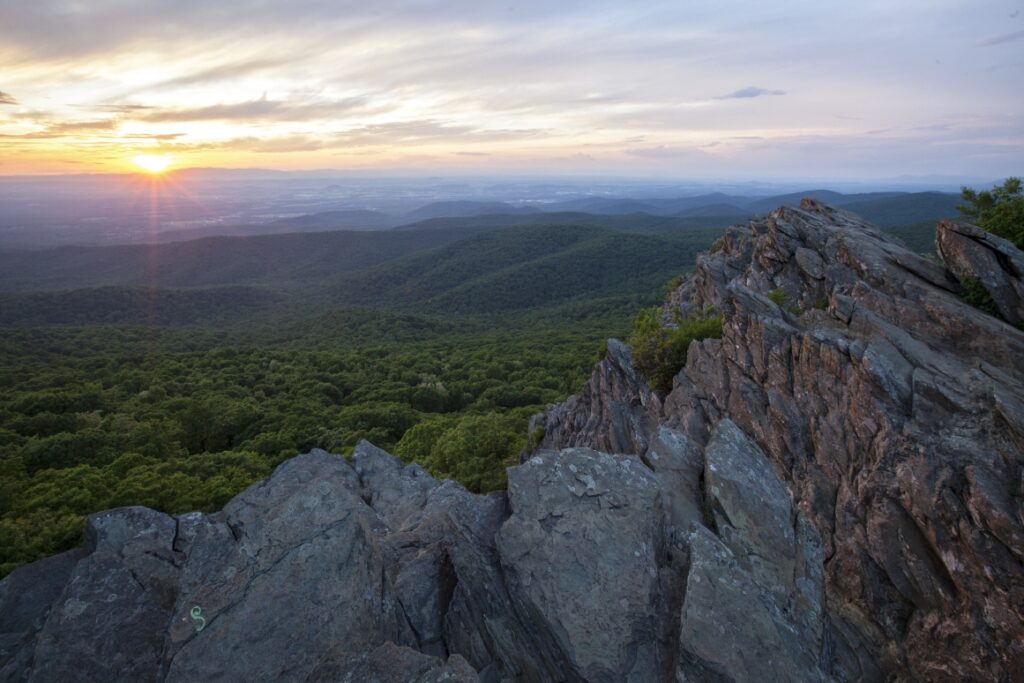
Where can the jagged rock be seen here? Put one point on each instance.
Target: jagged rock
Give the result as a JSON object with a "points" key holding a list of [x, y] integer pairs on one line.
{"points": [[581, 557], [995, 263], [264, 572], [831, 491], [678, 465], [733, 628], [753, 600], [616, 412], [394, 491], [110, 620], [389, 663], [891, 412], [751, 509], [27, 594]]}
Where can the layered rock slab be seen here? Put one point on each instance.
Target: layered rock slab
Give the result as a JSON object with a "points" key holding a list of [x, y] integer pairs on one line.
{"points": [[991, 261], [581, 552]]}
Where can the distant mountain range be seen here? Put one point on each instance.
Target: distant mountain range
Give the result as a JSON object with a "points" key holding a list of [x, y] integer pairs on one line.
{"points": [[453, 270], [446, 257], [292, 260], [886, 209]]}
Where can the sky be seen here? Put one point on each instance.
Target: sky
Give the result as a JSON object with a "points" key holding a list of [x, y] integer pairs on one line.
{"points": [[683, 89]]}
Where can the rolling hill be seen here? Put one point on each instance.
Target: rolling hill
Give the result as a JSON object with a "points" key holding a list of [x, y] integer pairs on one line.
{"points": [[135, 306], [291, 260], [524, 267], [463, 265], [632, 222], [458, 209], [887, 212]]}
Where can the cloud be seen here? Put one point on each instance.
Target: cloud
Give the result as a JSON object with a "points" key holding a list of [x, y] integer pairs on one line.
{"points": [[62, 129], [749, 92], [291, 143], [81, 126], [257, 110], [661, 152], [7, 98], [119, 108], [160, 137], [221, 72], [425, 131], [1000, 39]]}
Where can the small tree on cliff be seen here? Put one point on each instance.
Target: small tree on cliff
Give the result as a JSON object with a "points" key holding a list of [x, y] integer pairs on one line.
{"points": [[999, 210]]}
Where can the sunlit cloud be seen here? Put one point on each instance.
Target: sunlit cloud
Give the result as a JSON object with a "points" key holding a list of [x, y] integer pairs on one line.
{"points": [[81, 126], [120, 108], [261, 109], [222, 72]]}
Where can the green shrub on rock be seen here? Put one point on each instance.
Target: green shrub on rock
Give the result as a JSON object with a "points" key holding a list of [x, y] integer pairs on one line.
{"points": [[660, 352], [975, 294], [999, 210]]}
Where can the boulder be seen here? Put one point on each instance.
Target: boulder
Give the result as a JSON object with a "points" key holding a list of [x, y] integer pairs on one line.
{"points": [[991, 261], [390, 663], [581, 557]]}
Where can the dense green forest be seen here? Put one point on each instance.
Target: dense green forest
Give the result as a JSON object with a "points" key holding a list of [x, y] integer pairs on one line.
{"points": [[178, 398], [182, 419]]}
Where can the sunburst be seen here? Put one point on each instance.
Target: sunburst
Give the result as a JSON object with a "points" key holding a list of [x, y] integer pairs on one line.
{"points": [[153, 164]]}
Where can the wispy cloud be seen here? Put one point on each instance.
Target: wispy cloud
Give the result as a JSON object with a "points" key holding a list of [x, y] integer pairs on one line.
{"points": [[662, 152], [118, 108], [222, 72], [81, 126], [7, 98], [262, 109], [749, 92], [1000, 39]]}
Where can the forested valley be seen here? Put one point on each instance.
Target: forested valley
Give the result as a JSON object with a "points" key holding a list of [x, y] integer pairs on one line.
{"points": [[175, 376]]}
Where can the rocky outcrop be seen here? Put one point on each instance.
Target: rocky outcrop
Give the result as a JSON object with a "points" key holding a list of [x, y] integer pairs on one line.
{"points": [[993, 262], [832, 491], [893, 415], [615, 411]]}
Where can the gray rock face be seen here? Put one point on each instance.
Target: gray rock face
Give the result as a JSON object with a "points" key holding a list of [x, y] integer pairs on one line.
{"points": [[995, 263], [832, 491], [615, 412], [108, 623], [27, 594], [279, 549], [754, 593], [732, 627], [390, 663], [581, 551]]}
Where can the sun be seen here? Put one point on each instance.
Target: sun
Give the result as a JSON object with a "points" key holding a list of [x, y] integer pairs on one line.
{"points": [[154, 164]]}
